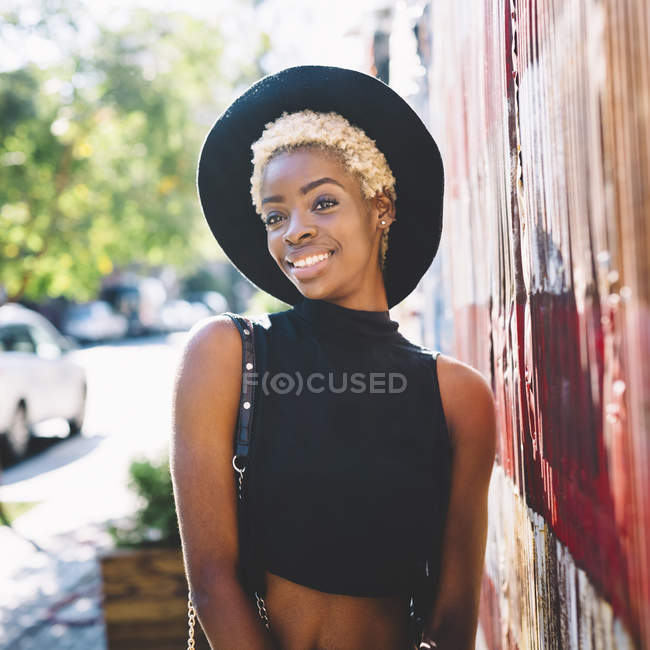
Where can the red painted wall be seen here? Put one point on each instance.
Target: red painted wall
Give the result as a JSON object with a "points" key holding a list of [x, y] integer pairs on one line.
{"points": [[541, 111]]}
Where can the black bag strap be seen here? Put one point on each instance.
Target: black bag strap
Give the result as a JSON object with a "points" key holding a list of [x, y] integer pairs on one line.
{"points": [[244, 432], [250, 574]]}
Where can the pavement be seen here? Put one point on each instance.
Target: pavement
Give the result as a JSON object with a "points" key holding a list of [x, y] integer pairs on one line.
{"points": [[50, 596]]}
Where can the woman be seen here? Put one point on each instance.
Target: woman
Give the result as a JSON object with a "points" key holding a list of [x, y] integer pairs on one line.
{"points": [[372, 455]]}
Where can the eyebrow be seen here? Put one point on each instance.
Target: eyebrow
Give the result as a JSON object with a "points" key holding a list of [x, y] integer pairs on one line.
{"points": [[304, 189]]}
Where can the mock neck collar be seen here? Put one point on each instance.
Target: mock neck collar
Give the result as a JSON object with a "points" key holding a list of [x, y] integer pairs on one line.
{"points": [[330, 317]]}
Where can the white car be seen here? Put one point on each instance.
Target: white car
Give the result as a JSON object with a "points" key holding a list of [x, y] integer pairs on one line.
{"points": [[95, 321], [37, 379], [181, 315]]}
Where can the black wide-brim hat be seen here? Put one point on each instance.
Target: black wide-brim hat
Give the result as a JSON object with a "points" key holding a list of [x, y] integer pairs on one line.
{"points": [[225, 169]]}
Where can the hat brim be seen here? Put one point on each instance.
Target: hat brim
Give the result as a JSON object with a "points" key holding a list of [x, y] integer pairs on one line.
{"points": [[225, 168]]}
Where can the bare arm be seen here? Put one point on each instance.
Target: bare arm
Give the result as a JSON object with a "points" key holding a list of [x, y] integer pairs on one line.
{"points": [[205, 406], [471, 418]]}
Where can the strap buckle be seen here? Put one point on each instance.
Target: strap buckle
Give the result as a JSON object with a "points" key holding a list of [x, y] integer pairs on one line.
{"points": [[234, 464]]}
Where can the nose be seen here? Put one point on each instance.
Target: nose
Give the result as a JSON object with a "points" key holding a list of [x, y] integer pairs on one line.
{"points": [[300, 227]]}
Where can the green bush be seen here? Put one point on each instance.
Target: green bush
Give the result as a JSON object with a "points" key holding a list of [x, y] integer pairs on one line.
{"points": [[155, 522]]}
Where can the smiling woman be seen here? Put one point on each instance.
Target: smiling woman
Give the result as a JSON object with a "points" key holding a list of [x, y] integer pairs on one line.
{"points": [[366, 487], [321, 231], [331, 134]]}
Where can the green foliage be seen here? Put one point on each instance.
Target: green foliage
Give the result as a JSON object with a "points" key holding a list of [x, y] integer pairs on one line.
{"points": [[155, 522], [262, 302], [11, 510], [98, 151]]}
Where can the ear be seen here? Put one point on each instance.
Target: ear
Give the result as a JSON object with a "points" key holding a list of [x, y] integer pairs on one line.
{"points": [[383, 209]]}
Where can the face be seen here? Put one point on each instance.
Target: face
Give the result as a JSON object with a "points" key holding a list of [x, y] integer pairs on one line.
{"points": [[313, 207]]}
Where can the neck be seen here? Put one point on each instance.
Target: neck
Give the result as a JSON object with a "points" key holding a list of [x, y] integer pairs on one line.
{"points": [[374, 300], [338, 320]]}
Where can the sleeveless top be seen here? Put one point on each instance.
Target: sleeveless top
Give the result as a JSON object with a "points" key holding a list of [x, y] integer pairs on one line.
{"points": [[350, 462]]}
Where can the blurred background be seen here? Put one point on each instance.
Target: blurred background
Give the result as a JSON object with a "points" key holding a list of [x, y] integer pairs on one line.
{"points": [[541, 282]]}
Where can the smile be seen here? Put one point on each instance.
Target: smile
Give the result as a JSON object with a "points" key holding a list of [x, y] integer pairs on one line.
{"points": [[309, 266], [310, 260]]}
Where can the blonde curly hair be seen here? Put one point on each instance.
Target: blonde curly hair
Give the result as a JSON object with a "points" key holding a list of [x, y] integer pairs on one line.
{"points": [[332, 132]]}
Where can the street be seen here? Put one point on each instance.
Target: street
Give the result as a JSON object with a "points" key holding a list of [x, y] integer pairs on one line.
{"points": [[50, 586]]}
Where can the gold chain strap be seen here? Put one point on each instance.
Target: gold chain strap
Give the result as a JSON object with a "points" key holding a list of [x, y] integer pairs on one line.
{"points": [[261, 609], [191, 616]]}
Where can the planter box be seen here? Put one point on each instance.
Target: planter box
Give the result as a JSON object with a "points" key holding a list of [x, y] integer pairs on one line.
{"points": [[145, 600]]}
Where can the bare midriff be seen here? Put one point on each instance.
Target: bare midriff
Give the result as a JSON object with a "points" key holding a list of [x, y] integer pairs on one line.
{"points": [[302, 618]]}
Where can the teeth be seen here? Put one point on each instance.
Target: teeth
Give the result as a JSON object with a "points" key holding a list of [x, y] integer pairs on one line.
{"points": [[311, 260]]}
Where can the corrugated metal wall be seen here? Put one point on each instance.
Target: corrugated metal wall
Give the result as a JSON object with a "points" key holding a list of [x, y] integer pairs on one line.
{"points": [[542, 114]]}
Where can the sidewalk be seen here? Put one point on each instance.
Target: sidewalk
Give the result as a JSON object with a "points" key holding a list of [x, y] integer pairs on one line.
{"points": [[51, 599]]}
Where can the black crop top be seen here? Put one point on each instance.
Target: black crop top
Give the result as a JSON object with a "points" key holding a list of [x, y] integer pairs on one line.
{"points": [[351, 458]]}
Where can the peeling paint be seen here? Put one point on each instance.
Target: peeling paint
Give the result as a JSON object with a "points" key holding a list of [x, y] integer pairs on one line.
{"points": [[542, 115]]}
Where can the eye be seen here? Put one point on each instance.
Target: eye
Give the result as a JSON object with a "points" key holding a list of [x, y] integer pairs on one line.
{"points": [[268, 221], [330, 202], [274, 218]]}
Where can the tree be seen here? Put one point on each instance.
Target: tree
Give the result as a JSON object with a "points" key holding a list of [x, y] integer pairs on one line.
{"points": [[98, 151]]}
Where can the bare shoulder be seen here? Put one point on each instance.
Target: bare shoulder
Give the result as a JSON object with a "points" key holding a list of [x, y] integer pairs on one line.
{"points": [[208, 374], [213, 340], [468, 403]]}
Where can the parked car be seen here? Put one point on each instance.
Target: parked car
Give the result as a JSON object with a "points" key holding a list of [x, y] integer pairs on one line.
{"points": [[139, 301], [178, 315], [38, 380], [215, 301], [94, 322]]}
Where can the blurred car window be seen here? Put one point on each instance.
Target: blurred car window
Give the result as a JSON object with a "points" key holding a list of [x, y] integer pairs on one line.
{"points": [[46, 344], [16, 338], [79, 311], [40, 335], [90, 310], [102, 309]]}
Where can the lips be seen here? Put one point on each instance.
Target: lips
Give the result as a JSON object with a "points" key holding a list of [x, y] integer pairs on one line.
{"points": [[304, 254], [312, 271]]}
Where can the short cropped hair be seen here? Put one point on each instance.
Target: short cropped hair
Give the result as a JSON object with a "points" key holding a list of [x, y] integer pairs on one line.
{"points": [[334, 133]]}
